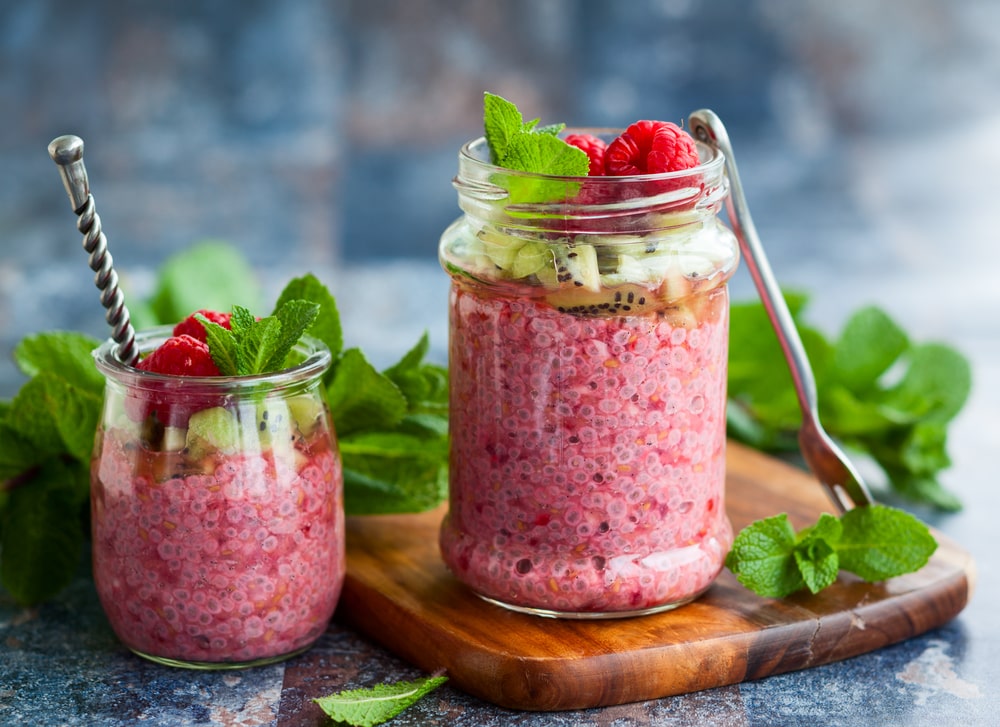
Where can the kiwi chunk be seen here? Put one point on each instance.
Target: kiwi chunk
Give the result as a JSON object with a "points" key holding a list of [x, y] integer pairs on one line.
{"points": [[212, 430], [576, 265], [530, 259], [307, 412], [273, 422], [621, 300]]}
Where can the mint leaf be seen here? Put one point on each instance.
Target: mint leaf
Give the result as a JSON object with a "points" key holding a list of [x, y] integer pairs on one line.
{"points": [[424, 385], [250, 346], [936, 383], [552, 129], [815, 554], [210, 275], [392, 428], [923, 450], [545, 154], [818, 564], [759, 383], [424, 424], [378, 704], [868, 345], [858, 416], [925, 489], [879, 394], [241, 321], [501, 121], [393, 472], [520, 146], [54, 417], [327, 326], [295, 316], [42, 532], [762, 557], [361, 398], [874, 542], [881, 542], [254, 347], [16, 453], [222, 346], [67, 353]]}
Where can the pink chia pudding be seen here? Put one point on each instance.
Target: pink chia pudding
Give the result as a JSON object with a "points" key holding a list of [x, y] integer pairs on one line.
{"points": [[588, 452], [234, 558]]}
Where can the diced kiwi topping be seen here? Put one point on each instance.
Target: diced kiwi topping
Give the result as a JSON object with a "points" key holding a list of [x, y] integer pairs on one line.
{"points": [[273, 423], [611, 275]]}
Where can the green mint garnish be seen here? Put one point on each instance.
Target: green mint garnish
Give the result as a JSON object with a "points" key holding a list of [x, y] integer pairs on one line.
{"points": [[874, 542], [46, 438], [395, 452], [253, 346], [378, 704], [524, 146], [326, 327], [880, 393]]}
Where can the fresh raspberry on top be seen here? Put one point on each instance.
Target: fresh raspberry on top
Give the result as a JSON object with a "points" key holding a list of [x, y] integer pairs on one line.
{"points": [[594, 149], [181, 355], [650, 147], [194, 328]]}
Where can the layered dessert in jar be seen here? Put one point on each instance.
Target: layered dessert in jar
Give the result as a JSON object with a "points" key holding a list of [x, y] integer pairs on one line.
{"points": [[587, 356], [217, 513]]}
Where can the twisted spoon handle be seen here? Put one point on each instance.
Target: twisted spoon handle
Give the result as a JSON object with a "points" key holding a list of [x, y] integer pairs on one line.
{"points": [[67, 153]]}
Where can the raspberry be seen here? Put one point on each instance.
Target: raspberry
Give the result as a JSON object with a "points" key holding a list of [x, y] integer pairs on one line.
{"points": [[194, 328], [182, 355], [594, 149], [650, 147]]}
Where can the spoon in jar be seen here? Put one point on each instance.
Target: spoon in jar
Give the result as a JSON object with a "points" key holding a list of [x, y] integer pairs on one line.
{"points": [[67, 153], [826, 460]]}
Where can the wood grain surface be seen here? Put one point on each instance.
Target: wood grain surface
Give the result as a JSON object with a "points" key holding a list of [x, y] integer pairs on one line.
{"points": [[399, 593]]}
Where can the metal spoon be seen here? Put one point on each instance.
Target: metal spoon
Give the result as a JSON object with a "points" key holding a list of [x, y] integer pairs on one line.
{"points": [[67, 153], [826, 460]]}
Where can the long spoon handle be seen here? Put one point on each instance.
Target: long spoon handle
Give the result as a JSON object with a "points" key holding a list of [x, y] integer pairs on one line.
{"points": [[67, 153], [830, 465]]}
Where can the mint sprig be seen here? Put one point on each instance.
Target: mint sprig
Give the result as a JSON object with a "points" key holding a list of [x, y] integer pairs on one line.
{"points": [[252, 346], [881, 394], [874, 542], [525, 147], [374, 705], [46, 437]]}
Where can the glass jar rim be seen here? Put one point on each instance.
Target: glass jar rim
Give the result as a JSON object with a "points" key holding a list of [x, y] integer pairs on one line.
{"points": [[106, 356], [476, 153], [598, 204]]}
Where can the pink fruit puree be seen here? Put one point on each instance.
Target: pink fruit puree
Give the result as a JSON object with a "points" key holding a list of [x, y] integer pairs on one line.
{"points": [[588, 454], [240, 560]]}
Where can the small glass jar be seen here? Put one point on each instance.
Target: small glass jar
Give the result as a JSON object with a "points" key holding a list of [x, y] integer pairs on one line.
{"points": [[587, 358], [217, 511]]}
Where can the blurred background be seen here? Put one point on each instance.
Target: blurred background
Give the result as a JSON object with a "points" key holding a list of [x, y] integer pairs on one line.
{"points": [[321, 136]]}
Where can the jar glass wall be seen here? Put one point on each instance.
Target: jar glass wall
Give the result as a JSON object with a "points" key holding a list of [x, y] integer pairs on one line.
{"points": [[587, 356], [217, 511]]}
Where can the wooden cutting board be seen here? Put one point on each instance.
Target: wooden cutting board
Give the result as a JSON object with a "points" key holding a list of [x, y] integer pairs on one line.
{"points": [[399, 593]]}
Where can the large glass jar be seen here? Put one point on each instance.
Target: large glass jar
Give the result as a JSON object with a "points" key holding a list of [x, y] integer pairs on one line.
{"points": [[217, 511], [587, 356]]}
